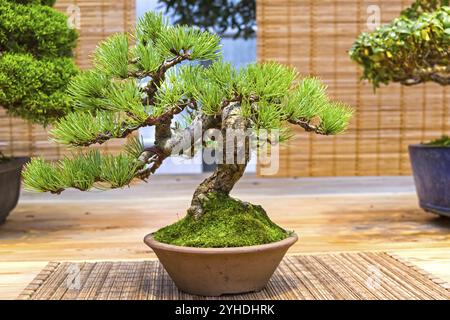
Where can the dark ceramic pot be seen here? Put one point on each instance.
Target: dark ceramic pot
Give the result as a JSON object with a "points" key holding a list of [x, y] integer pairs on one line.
{"points": [[431, 169], [218, 271], [10, 185]]}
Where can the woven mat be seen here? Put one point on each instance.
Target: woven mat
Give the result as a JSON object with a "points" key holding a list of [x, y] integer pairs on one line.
{"points": [[330, 276]]}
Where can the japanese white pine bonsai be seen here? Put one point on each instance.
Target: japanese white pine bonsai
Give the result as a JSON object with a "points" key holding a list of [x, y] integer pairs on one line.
{"points": [[159, 78], [412, 49]]}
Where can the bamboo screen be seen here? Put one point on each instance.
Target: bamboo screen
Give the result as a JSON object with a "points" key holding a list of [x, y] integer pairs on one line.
{"points": [[314, 36], [97, 20]]}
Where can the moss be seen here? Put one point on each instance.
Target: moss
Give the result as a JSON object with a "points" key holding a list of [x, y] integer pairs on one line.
{"points": [[226, 222]]}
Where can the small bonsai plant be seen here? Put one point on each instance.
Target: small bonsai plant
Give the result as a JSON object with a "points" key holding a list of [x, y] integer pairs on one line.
{"points": [[148, 85], [413, 49], [35, 67]]}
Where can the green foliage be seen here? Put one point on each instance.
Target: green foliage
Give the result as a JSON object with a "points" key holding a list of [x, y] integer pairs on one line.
{"points": [[270, 117], [49, 3], [181, 40], [134, 147], [219, 16], [111, 56], [35, 89], [269, 80], [224, 76], [210, 96], [150, 28], [444, 141], [87, 90], [413, 48], [84, 128], [42, 176], [126, 97], [147, 57], [118, 171], [35, 67], [334, 118], [169, 94], [308, 100], [226, 222], [420, 6], [82, 171], [35, 29], [157, 41], [309, 103]]}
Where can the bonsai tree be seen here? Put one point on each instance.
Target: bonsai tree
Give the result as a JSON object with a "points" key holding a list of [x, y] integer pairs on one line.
{"points": [[413, 49], [156, 79], [35, 67]]}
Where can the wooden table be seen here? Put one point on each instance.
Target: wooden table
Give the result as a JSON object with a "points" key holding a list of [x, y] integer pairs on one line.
{"points": [[329, 214]]}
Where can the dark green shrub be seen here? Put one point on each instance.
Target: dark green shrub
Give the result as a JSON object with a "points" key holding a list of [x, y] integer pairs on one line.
{"points": [[35, 89], [36, 63]]}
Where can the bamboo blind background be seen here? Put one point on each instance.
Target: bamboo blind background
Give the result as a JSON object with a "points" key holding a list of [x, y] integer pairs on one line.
{"points": [[98, 20], [314, 36]]}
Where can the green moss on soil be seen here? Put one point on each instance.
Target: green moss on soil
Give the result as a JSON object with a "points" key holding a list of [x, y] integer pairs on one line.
{"points": [[226, 222]]}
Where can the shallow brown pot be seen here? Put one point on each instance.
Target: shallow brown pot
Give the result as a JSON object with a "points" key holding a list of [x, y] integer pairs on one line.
{"points": [[218, 271]]}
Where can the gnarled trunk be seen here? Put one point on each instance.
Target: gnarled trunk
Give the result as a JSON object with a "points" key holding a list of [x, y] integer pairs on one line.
{"points": [[226, 174]]}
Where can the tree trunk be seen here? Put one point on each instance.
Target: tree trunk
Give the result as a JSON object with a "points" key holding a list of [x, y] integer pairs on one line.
{"points": [[226, 174]]}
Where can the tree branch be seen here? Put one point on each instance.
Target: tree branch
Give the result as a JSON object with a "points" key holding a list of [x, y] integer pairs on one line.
{"points": [[307, 126], [438, 74], [159, 76], [126, 130], [156, 154]]}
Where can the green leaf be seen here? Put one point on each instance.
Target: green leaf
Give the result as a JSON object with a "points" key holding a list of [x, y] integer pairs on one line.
{"points": [[111, 56]]}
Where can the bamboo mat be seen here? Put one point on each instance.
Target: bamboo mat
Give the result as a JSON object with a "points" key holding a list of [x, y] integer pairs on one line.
{"points": [[331, 276], [315, 36]]}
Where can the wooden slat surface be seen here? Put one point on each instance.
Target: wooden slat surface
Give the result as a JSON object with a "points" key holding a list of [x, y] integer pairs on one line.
{"points": [[329, 215], [314, 36], [98, 20], [347, 276]]}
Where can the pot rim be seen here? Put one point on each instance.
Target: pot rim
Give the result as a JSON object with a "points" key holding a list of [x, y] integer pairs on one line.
{"points": [[152, 243], [13, 164], [427, 146]]}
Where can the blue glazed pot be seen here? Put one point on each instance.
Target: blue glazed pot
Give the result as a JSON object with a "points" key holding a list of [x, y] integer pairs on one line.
{"points": [[431, 169]]}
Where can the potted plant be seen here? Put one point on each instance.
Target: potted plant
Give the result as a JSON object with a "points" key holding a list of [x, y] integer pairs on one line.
{"points": [[222, 245], [35, 67], [413, 49]]}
